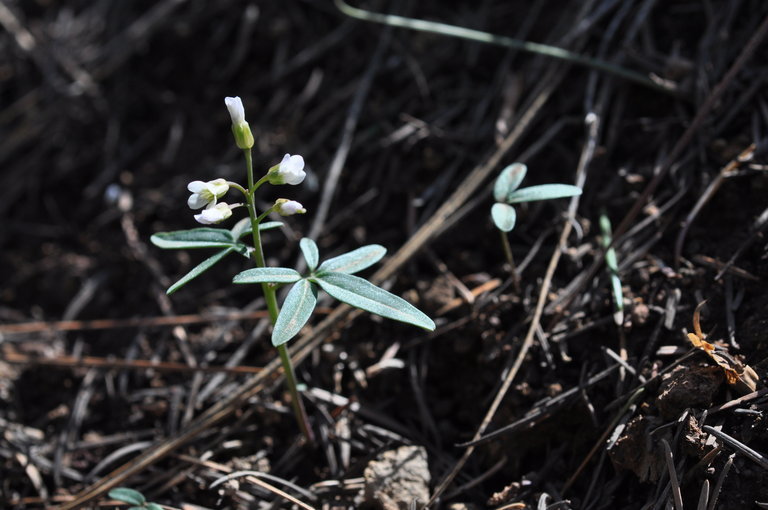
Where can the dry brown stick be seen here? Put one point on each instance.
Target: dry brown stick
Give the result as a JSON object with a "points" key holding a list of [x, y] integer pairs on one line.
{"points": [[138, 364], [136, 322], [733, 165]]}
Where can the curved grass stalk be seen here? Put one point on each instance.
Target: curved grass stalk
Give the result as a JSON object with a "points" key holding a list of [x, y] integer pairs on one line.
{"points": [[469, 34]]}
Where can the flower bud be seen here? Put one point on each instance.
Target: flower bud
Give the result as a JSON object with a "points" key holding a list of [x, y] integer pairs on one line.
{"points": [[289, 171], [214, 214], [285, 207], [240, 128]]}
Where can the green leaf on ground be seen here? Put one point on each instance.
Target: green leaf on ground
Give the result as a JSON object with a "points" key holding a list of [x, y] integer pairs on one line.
{"points": [[310, 251], [354, 261], [504, 216], [508, 181], [363, 294], [130, 496], [543, 192], [296, 310], [267, 275], [198, 270]]}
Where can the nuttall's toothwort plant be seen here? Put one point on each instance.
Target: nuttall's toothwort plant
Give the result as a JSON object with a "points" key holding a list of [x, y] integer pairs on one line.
{"points": [[334, 276], [507, 191]]}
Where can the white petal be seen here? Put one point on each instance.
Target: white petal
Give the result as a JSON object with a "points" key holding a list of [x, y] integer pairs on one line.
{"points": [[201, 218], [195, 201], [218, 187], [296, 163], [196, 186], [236, 110], [295, 178]]}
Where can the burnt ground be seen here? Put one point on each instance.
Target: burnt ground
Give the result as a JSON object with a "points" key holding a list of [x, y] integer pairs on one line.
{"points": [[110, 108]]}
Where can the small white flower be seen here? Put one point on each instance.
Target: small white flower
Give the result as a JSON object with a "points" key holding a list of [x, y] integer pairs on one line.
{"points": [[206, 193], [236, 110], [286, 207], [289, 171], [214, 214]]}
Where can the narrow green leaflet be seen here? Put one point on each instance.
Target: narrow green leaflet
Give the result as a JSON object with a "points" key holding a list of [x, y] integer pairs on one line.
{"points": [[543, 192], [195, 238], [198, 270], [508, 181], [130, 496], [613, 269], [297, 308], [152, 506], [267, 275], [363, 294], [354, 261], [243, 227], [310, 251], [504, 216]]}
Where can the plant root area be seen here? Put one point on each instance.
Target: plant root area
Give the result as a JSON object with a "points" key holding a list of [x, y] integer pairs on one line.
{"points": [[542, 387]]}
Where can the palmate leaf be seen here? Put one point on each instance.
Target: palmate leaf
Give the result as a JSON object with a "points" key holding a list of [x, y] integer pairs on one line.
{"points": [[310, 251], [199, 269], [130, 496], [354, 261], [362, 294], [508, 181], [504, 216], [543, 192], [296, 310], [267, 275]]}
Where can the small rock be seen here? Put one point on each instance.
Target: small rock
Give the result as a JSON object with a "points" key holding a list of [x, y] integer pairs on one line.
{"points": [[396, 478]]}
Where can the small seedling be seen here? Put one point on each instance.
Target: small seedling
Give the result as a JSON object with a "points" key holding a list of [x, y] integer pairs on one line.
{"points": [[134, 498], [507, 191], [334, 276], [613, 268]]}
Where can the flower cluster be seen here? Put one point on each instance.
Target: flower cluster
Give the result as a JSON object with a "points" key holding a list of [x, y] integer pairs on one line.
{"points": [[206, 195]]}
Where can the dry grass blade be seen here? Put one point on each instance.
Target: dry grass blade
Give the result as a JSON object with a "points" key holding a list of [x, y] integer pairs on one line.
{"points": [[677, 495]]}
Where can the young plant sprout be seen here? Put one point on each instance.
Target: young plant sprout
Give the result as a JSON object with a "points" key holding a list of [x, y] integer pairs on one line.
{"points": [[506, 192], [334, 276]]}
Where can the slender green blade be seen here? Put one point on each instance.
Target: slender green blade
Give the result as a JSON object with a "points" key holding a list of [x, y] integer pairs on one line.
{"points": [[613, 269], [543, 192], [267, 275], [243, 227], [297, 308], [508, 181], [195, 238], [363, 294], [503, 216], [354, 261], [152, 506], [130, 496], [310, 251], [198, 270]]}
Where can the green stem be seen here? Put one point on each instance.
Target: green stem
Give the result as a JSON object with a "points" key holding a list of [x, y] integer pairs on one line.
{"points": [[510, 260], [270, 297]]}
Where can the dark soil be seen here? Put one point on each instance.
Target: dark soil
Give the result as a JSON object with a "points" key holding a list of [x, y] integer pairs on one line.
{"points": [[110, 108]]}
